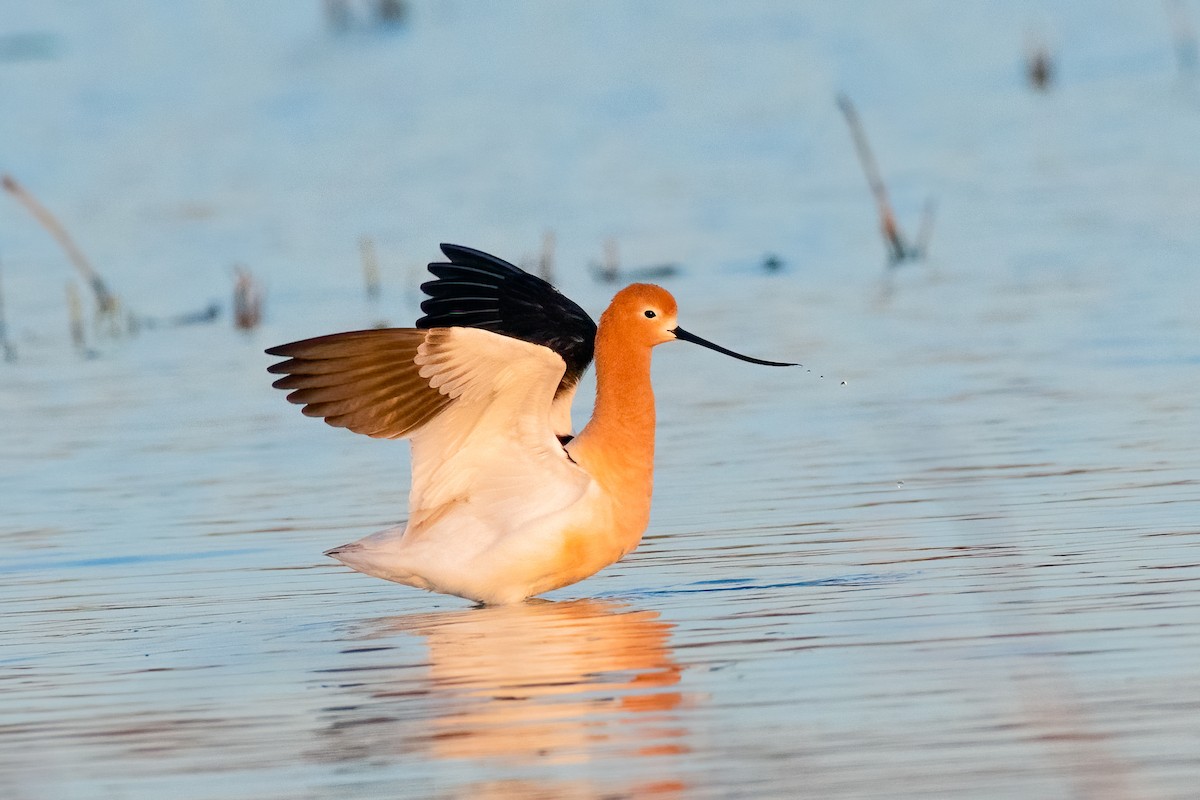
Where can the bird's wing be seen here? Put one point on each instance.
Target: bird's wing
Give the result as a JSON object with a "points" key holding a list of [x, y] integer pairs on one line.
{"points": [[476, 405], [478, 290], [367, 381], [493, 448]]}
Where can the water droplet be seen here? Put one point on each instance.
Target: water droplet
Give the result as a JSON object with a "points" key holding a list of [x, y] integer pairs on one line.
{"points": [[899, 484]]}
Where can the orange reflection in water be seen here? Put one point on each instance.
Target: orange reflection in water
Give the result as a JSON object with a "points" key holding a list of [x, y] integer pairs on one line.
{"points": [[547, 680], [564, 683]]}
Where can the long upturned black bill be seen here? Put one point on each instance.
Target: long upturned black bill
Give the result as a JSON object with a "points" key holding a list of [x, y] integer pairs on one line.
{"points": [[684, 336]]}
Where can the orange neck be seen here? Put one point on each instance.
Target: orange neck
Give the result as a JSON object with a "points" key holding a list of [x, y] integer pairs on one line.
{"points": [[617, 445]]}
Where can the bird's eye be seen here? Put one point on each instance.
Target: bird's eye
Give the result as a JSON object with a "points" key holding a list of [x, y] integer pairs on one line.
{"points": [[650, 314]]}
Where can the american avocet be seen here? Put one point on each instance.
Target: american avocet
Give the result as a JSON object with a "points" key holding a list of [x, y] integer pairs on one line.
{"points": [[505, 504]]}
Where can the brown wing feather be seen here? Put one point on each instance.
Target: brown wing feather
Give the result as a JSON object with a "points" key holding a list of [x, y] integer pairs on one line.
{"points": [[365, 381]]}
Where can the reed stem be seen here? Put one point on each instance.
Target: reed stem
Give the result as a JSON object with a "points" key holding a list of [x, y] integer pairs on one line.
{"points": [[106, 301]]}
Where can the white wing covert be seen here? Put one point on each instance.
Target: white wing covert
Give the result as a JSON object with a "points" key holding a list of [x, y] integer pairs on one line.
{"points": [[493, 446]]}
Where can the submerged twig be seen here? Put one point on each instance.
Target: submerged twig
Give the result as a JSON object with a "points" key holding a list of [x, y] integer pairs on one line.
{"points": [[209, 313], [610, 270], [1039, 64], [247, 299], [899, 249], [385, 14], [106, 301], [391, 12]]}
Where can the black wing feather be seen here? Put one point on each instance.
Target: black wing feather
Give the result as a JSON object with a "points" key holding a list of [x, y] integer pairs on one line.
{"points": [[479, 290]]}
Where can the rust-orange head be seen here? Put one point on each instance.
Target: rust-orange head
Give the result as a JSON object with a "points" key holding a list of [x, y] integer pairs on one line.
{"points": [[642, 313], [648, 315]]}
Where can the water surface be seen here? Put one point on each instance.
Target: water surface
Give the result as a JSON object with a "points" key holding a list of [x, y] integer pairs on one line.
{"points": [[971, 571]]}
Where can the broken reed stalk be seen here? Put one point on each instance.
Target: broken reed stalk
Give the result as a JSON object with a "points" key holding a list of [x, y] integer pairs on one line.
{"points": [[1040, 69], [1039, 63], [609, 269], [391, 12], [247, 299], [10, 352], [898, 249], [106, 302], [370, 265], [866, 158]]}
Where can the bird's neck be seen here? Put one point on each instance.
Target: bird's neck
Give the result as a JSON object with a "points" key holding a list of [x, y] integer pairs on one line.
{"points": [[617, 445]]}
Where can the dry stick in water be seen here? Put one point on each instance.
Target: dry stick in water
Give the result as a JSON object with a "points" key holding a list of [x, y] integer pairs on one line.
{"points": [[106, 301], [247, 299], [610, 270], [370, 266], [1039, 64], [898, 250]]}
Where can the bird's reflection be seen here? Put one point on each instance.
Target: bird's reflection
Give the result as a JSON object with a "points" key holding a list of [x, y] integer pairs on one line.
{"points": [[561, 683]]}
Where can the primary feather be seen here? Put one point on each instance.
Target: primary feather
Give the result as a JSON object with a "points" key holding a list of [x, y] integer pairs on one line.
{"points": [[478, 290]]}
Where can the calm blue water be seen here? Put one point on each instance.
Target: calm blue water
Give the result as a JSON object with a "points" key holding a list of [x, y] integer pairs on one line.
{"points": [[971, 571]]}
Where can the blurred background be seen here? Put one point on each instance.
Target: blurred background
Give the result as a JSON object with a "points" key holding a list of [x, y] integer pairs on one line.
{"points": [[955, 555]]}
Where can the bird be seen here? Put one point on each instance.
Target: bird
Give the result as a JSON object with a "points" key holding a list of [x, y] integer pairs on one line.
{"points": [[506, 502]]}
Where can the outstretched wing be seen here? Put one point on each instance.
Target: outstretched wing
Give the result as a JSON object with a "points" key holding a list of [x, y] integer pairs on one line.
{"points": [[367, 381], [476, 405], [478, 290]]}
